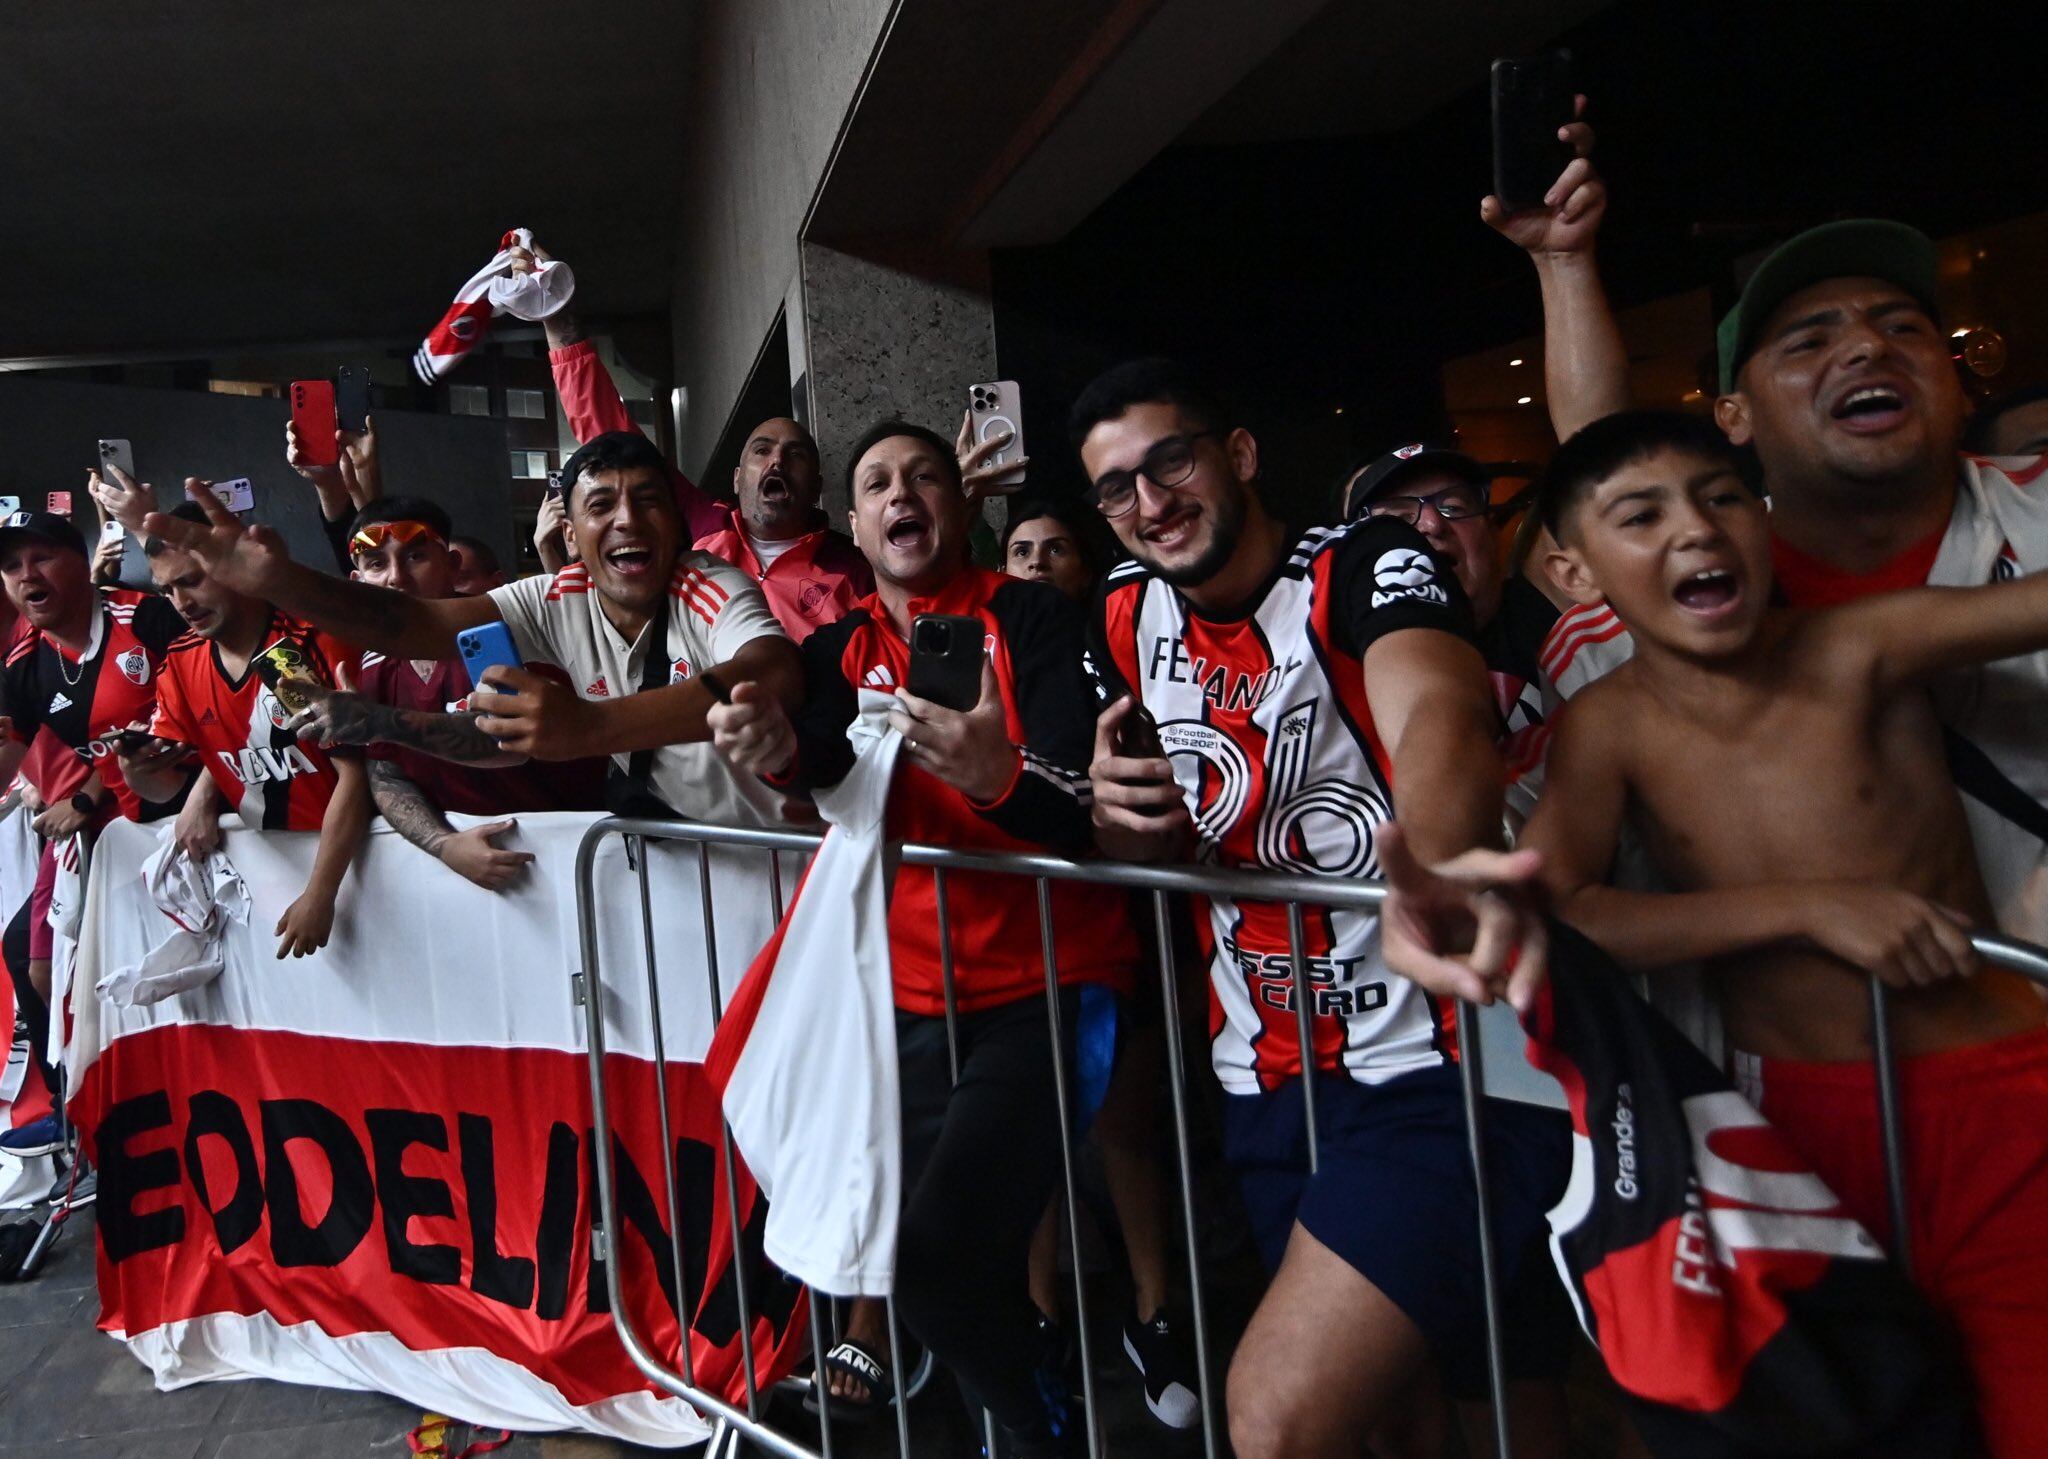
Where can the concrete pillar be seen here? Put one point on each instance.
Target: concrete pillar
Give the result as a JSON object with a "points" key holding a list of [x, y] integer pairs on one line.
{"points": [[888, 332]]}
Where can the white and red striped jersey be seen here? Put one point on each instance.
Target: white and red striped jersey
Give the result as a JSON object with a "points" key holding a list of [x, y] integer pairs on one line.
{"points": [[714, 611], [1265, 718]]}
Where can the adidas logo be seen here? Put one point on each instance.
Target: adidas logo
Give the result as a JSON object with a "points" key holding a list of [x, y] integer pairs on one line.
{"points": [[207, 718], [879, 677], [597, 689], [59, 701]]}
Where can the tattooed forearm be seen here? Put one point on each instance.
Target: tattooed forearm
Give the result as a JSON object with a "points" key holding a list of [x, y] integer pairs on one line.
{"points": [[407, 808], [350, 719]]}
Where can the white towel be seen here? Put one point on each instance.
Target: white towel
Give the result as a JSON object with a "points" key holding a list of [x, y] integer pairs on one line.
{"points": [[531, 297], [806, 1055], [200, 898]]}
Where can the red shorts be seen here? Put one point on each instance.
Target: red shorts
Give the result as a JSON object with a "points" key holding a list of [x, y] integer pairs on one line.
{"points": [[1976, 1135], [41, 944]]}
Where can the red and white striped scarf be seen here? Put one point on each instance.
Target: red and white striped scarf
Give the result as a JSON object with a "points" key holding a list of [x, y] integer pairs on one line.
{"points": [[532, 297]]}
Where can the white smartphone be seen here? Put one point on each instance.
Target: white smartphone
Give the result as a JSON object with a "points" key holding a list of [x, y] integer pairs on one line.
{"points": [[992, 409], [111, 531], [9, 505], [236, 495]]}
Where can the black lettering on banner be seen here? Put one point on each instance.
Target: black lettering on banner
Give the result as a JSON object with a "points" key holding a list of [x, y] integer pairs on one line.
{"points": [[502, 1278], [125, 1176], [637, 1210], [341, 1230], [209, 1112], [696, 1184], [554, 1240], [773, 1295], [400, 1197]]}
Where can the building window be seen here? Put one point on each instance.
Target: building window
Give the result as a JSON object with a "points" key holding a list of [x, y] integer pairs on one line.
{"points": [[469, 400], [530, 465], [526, 404]]}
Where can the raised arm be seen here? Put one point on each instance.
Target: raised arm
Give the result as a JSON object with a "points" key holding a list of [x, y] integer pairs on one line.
{"points": [[337, 717], [253, 560], [1585, 366], [1920, 633], [1433, 710]]}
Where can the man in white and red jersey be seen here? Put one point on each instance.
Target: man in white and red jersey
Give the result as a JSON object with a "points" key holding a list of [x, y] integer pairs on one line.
{"points": [[981, 1153], [1304, 691], [219, 697], [615, 644], [776, 535]]}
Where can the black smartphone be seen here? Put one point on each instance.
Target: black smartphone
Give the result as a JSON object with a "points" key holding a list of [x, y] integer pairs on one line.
{"points": [[1532, 99], [1138, 737], [352, 398], [945, 659]]}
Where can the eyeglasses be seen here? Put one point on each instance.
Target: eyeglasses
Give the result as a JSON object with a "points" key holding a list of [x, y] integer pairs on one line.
{"points": [[1453, 504], [1166, 465], [377, 534]]}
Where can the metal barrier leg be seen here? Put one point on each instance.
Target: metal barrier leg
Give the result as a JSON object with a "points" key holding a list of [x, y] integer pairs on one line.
{"points": [[732, 1188], [1304, 1032], [1061, 1098], [1473, 1083], [897, 1376], [821, 1384], [1893, 1131], [670, 1199], [1176, 1076]]}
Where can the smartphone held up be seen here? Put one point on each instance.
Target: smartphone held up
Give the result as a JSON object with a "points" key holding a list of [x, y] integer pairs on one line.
{"points": [[1533, 100]]}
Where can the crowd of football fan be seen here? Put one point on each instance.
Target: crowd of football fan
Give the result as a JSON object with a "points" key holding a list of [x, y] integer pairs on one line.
{"points": [[1765, 710]]}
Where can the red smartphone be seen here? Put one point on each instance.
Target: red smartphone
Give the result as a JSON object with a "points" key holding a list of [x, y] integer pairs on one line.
{"points": [[59, 503], [313, 416]]}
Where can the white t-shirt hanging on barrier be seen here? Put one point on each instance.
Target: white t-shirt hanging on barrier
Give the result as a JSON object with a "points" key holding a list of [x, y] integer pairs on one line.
{"points": [[714, 611]]}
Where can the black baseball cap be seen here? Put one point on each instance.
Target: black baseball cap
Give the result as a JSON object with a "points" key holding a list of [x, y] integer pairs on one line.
{"points": [[1854, 248], [44, 527], [1406, 462]]}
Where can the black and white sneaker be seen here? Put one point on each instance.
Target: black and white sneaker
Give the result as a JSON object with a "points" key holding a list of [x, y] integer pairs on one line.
{"points": [[1165, 1359], [82, 1192]]}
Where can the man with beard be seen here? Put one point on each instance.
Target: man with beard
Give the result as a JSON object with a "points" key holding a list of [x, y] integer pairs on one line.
{"points": [[1303, 692], [981, 1154], [634, 622], [778, 537], [222, 696]]}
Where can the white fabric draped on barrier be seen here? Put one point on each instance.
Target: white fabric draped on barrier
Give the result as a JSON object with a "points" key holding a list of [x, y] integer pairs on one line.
{"points": [[370, 1168]]}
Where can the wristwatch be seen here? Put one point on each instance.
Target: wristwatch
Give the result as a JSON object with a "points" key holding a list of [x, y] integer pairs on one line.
{"points": [[84, 804]]}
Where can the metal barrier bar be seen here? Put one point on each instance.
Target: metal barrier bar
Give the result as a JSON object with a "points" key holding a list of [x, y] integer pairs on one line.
{"points": [[821, 1379], [1893, 1131], [732, 1185], [733, 1424], [1065, 1104], [1176, 1079], [670, 1196], [588, 987], [1304, 1035]]}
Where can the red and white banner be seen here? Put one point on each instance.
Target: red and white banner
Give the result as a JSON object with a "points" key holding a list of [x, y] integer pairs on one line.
{"points": [[373, 1168]]}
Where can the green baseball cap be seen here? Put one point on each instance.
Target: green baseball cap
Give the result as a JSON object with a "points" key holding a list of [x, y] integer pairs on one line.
{"points": [[1854, 248]]}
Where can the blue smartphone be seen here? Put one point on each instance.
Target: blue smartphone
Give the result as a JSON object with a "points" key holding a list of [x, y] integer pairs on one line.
{"points": [[486, 646]]}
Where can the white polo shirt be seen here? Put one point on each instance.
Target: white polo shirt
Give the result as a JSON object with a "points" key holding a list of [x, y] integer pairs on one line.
{"points": [[714, 611]]}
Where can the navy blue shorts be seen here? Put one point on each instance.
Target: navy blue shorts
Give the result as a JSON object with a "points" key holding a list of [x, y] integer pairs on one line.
{"points": [[1393, 1197]]}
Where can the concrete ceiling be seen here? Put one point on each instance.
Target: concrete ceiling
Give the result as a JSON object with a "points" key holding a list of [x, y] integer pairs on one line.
{"points": [[187, 176]]}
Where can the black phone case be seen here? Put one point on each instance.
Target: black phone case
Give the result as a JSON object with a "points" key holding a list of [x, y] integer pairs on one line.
{"points": [[954, 677], [352, 398], [1532, 98]]}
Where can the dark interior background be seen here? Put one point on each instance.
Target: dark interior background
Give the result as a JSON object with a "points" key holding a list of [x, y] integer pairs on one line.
{"points": [[1306, 274]]}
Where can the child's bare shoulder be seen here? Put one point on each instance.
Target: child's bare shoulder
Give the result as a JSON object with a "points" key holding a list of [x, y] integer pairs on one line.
{"points": [[1593, 719]]}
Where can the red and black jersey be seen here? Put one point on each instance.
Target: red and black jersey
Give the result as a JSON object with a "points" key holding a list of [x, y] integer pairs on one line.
{"points": [[1035, 641], [237, 725], [1264, 716], [561, 785], [79, 702]]}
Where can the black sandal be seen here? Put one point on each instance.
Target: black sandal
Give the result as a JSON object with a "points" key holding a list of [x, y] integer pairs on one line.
{"points": [[851, 1360]]}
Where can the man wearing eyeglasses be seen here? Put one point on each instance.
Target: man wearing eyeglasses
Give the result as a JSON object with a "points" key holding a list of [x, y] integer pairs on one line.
{"points": [[1448, 497], [1304, 690]]}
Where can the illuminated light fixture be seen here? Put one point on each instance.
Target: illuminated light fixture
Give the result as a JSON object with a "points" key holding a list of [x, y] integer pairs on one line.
{"points": [[1959, 333], [1513, 363], [1526, 399], [1692, 395], [1340, 410]]}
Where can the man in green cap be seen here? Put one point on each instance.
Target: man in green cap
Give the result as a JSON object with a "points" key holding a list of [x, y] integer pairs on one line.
{"points": [[1835, 369]]}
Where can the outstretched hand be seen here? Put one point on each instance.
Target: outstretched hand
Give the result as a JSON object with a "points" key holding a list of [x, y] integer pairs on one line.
{"points": [[1471, 927], [121, 496], [248, 559], [977, 472], [1569, 218]]}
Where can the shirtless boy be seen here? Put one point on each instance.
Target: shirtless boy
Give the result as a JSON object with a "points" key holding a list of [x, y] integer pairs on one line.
{"points": [[1786, 773]]}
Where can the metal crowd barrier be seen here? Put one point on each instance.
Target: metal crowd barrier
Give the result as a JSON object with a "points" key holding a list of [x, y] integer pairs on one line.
{"points": [[732, 1424]]}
